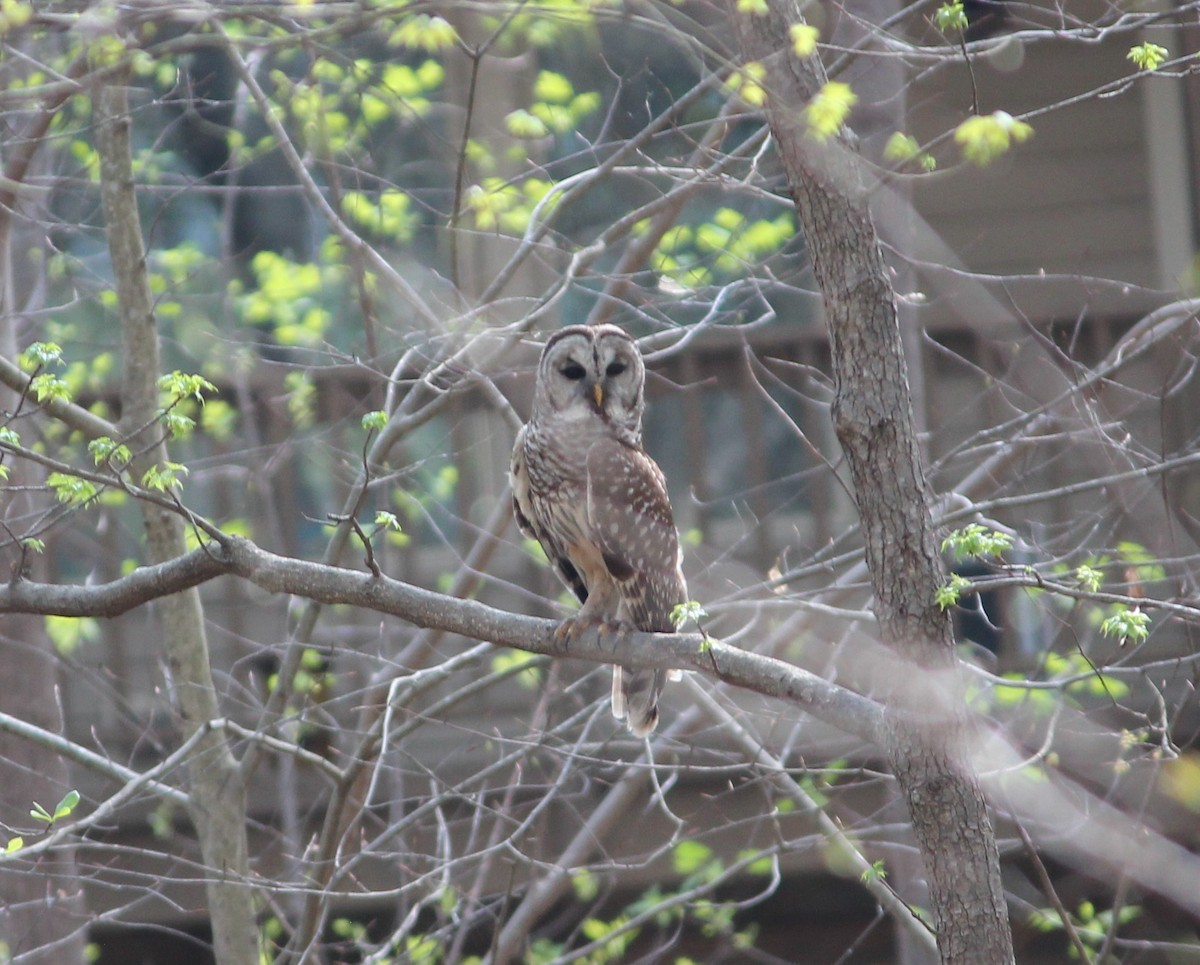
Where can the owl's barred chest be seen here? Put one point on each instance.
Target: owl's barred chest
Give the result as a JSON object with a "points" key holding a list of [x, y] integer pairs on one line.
{"points": [[557, 487], [556, 458]]}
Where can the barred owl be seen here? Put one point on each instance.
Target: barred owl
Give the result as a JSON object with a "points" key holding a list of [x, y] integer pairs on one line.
{"points": [[584, 487]]}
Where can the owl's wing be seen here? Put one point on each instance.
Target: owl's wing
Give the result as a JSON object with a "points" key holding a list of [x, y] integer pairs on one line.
{"points": [[630, 516], [527, 522]]}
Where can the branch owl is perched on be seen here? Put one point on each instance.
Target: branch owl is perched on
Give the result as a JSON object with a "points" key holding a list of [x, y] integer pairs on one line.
{"points": [[585, 489]]}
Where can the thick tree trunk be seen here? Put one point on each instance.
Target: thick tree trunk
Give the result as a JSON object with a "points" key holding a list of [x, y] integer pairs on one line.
{"points": [[42, 912], [215, 782], [43, 920], [926, 721]]}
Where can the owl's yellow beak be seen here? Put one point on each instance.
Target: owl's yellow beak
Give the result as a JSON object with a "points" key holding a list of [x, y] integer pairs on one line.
{"points": [[598, 394]]}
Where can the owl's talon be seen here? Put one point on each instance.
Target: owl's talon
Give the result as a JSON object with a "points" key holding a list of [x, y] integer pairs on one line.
{"points": [[570, 630], [565, 633], [612, 629]]}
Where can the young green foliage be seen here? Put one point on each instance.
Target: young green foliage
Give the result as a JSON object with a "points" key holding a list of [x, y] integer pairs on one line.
{"points": [[948, 594], [903, 149], [424, 32], [177, 386], [1127, 625], [1147, 56], [826, 113], [61, 810], [877, 872], [69, 633], [521, 664], [14, 14], [69, 489], [685, 612], [374, 421], [40, 355], [106, 451], [747, 84], [50, 388], [951, 17], [804, 39], [983, 138], [166, 477], [1088, 577], [977, 541]]}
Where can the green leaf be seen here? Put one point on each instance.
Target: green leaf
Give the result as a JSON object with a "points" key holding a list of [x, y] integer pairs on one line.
{"points": [[301, 399], [553, 87], [50, 388], [520, 663], [828, 110], [983, 138], [71, 489], [391, 214], [219, 419], [804, 39], [14, 13], [39, 355], [950, 17], [760, 864], [423, 32], [876, 872], [685, 612], [756, 8], [747, 84], [690, 856], [178, 425], [556, 117], [375, 421], [1147, 56], [14, 845], [386, 520], [904, 149], [66, 805], [1128, 625], [182, 385], [978, 541], [445, 483], [1088, 577], [585, 884], [584, 104], [68, 634], [520, 123], [948, 595], [166, 477]]}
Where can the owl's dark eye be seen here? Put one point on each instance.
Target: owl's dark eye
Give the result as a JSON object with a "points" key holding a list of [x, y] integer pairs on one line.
{"points": [[615, 368], [573, 371]]}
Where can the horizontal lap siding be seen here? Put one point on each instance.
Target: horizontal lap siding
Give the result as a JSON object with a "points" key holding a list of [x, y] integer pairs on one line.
{"points": [[1074, 199]]}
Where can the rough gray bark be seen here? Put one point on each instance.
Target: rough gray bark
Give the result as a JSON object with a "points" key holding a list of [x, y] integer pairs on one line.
{"points": [[216, 787], [42, 914], [41, 906], [925, 721]]}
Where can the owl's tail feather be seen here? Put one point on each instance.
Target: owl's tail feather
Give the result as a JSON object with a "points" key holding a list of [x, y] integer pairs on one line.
{"points": [[635, 696]]}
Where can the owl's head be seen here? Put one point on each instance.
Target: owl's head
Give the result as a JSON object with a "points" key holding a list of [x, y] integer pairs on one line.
{"points": [[592, 370]]}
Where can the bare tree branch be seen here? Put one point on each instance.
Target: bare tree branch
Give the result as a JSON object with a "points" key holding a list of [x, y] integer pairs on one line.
{"points": [[835, 705]]}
